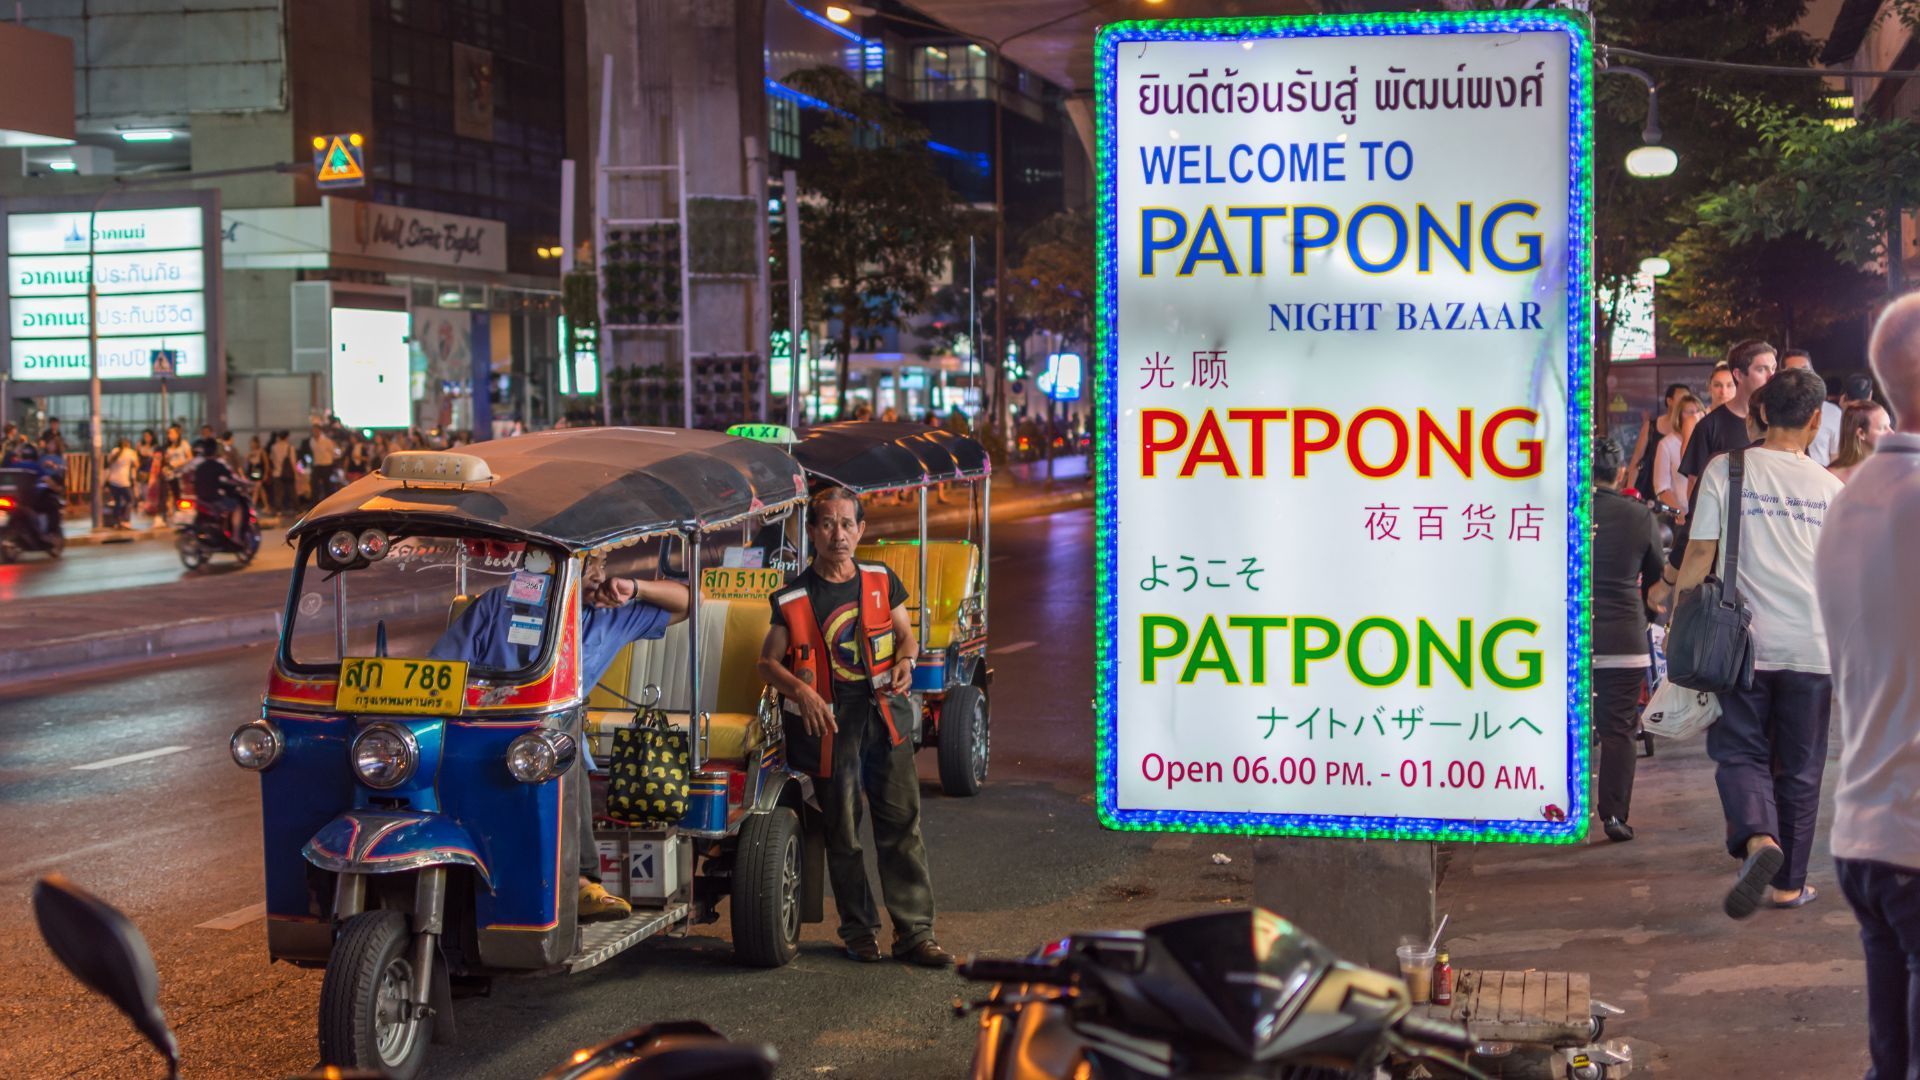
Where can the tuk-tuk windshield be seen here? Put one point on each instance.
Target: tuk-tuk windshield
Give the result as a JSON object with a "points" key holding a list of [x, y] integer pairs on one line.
{"points": [[416, 591]]}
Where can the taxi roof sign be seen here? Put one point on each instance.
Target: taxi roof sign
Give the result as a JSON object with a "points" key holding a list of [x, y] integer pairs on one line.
{"points": [[340, 162], [435, 467], [767, 433]]}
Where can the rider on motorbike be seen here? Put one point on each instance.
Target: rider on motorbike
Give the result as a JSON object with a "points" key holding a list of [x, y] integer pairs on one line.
{"points": [[218, 489]]}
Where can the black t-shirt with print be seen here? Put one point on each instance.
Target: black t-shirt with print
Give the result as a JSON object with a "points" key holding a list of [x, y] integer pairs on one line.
{"points": [[836, 604]]}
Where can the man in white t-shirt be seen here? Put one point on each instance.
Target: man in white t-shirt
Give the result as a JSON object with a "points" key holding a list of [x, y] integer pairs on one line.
{"points": [[1827, 441], [1770, 743], [1870, 599]]}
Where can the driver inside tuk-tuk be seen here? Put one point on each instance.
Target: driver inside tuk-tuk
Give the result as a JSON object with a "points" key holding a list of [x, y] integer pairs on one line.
{"points": [[617, 612]]}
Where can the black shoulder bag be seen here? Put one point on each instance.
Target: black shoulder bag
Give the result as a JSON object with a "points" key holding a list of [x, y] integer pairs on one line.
{"points": [[1710, 643]]}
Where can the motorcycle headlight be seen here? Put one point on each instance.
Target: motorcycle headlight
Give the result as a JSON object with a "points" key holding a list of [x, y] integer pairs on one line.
{"points": [[384, 755], [539, 756], [340, 546], [372, 545], [256, 746]]}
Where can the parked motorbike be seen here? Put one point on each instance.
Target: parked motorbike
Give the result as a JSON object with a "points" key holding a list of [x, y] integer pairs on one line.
{"points": [[1231, 996], [203, 533], [30, 511], [106, 952]]}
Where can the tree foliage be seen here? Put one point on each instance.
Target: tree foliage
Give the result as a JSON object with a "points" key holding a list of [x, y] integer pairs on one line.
{"points": [[878, 223], [1051, 287], [1704, 115]]}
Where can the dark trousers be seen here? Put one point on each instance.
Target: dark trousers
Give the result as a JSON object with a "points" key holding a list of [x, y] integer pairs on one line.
{"points": [[1886, 900], [581, 795], [866, 763], [1770, 744], [1616, 718]]}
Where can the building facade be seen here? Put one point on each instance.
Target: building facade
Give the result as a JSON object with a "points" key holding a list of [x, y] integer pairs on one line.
{"points": [[465, 110]]}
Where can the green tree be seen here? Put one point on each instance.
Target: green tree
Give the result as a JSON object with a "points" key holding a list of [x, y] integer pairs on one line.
{"points": [[1051, 287], [1705, 117], [878, 224]]}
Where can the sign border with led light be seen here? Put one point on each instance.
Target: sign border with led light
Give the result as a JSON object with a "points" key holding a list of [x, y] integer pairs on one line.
{"points": [[1561, 827]]}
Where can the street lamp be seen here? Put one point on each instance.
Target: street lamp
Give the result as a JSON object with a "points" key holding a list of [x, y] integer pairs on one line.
{"points": [[1656, 266], [1650, 160]]}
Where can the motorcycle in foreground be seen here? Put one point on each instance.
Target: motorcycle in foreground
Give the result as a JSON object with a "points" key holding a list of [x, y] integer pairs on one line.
{"points": [[106, 952], [1232, 996], [30, 511], [203, 534]]}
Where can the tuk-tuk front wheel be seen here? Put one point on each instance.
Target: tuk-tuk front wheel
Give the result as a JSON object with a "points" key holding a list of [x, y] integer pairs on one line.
{"points": [[765, 902], [965, 739], [366, 1019]]}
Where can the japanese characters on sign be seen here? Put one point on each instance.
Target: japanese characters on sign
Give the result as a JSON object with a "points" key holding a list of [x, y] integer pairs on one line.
{"points": [[1343, 330]]}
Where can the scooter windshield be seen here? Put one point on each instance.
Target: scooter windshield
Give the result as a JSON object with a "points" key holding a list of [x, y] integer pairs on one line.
{"points": [[1254, 967], [490, 603]]}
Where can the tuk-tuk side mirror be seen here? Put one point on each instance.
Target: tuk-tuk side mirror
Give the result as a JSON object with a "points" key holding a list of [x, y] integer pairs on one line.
{"points": [[105, 951]]}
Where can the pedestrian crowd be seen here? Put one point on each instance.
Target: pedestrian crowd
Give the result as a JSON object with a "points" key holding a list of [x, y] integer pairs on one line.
{"points": [[290, 473], [1808, 498]]}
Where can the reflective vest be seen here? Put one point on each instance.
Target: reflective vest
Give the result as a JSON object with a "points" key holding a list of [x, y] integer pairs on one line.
{"points": [[807, 649]]}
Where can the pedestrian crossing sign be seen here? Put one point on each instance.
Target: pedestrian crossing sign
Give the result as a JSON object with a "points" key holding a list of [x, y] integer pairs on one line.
{"points": [[339, 161]]}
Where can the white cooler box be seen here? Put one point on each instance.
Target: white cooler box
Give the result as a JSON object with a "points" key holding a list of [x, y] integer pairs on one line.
{"points": [[639, 865]]}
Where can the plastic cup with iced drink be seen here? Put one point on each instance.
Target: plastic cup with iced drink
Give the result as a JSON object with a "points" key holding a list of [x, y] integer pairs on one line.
{"points": [[1416, 967]]}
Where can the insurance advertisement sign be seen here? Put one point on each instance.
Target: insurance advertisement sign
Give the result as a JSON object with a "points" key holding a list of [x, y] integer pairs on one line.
{"points": [[1343, 335], [149, 269]]}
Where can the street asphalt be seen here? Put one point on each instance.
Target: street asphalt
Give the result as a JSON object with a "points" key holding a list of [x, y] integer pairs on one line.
{"points": [[170, 833], [173, 839]]}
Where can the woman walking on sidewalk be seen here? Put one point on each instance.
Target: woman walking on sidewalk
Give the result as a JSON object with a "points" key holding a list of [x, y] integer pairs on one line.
{"points": [[1626, 561]]}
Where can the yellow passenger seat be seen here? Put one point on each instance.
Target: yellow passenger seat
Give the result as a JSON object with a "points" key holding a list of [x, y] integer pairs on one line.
{"points": [[731, 635], [953, 574]]}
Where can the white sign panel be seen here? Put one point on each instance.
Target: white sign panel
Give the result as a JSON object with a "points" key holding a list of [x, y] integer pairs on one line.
{"points": [[1344, 414], [171, 228], [371, 367], [146, 313], [58, 359], [66, 275]]}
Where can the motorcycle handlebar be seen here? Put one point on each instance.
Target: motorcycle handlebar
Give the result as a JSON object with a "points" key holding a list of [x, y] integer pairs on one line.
{"points": [[982, 969], [1442, 1033]]}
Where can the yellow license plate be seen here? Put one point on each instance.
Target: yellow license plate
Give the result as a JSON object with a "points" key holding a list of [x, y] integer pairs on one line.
{"points": [[371, 684]]}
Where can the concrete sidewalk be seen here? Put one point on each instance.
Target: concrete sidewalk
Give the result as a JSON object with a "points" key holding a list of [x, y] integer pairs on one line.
{"points": [[1779, 995], [218, 608]]}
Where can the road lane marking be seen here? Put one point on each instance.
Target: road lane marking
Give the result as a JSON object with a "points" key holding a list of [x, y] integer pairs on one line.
{"points": [[234, 920], [128, 759], [1015, 647]]}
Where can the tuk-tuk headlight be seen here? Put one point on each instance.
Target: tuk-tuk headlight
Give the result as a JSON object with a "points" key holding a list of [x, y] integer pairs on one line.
{"points": [[340, 546], [372, 545], [256, 746], [539, 756], [385, 755]]}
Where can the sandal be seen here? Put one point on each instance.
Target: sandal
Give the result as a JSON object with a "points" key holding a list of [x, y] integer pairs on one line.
{"points": [[1744, 898], [1808, 894]]}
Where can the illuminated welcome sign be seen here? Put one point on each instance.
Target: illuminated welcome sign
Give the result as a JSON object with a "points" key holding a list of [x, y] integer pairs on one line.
{"points": [[150, 269], [1343, 414]]}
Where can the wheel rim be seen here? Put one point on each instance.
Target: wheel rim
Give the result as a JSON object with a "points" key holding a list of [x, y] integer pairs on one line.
{"points": [[980, 742], [394, 1027], [790, 890]]}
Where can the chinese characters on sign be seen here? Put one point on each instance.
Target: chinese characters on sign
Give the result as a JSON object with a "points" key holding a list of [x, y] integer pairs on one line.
{"points": [[1344, 303]]}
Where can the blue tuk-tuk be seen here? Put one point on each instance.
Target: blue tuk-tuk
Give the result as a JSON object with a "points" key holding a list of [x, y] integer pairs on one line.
{"points": [[418, 815]]}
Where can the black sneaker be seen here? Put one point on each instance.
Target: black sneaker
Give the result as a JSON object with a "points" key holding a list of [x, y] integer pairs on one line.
{"points": [[1617, 831]]}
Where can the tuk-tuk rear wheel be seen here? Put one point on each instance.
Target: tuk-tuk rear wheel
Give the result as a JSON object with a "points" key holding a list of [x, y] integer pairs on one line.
{"points": [[366, 1021], [765, 902], [965, 740]]}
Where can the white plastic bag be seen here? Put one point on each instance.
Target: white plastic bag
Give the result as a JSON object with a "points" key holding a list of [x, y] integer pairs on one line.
{"points": [[1675, 712]]}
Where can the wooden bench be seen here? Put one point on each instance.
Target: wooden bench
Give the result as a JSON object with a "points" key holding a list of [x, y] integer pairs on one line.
{"points": [[1552, 1008]]}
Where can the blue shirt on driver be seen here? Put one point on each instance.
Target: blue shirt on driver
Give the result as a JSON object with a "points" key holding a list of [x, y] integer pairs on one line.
{"points": [[480, 635]]}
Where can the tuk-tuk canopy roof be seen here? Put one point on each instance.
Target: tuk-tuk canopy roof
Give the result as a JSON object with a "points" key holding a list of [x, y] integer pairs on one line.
{"points": [[866, 455], [584, 487]]}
